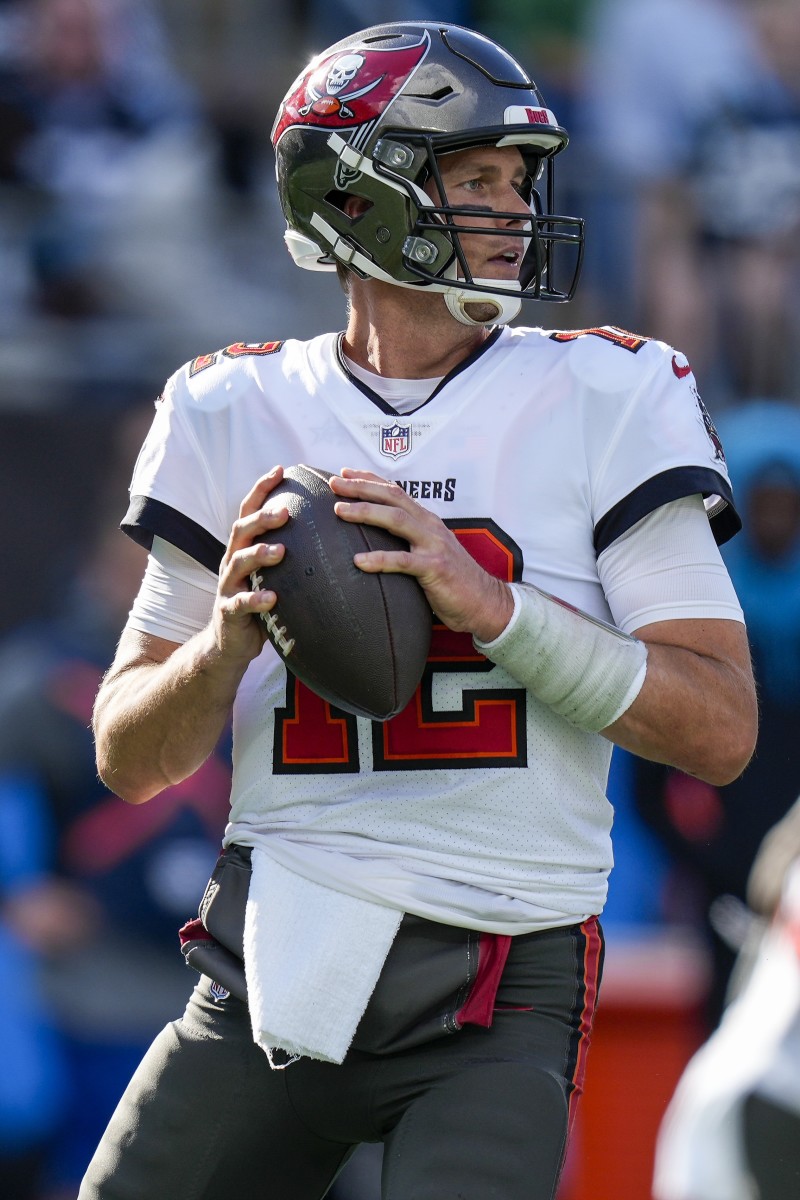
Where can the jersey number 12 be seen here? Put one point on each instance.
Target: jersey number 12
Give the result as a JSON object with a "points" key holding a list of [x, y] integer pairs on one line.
{"points": [[488, 729]]}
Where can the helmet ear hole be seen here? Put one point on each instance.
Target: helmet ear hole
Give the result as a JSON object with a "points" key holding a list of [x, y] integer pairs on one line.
{"points": [[352, 206]]}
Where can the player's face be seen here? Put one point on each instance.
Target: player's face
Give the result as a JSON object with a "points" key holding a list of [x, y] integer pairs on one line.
{"points": [[488, 179]]}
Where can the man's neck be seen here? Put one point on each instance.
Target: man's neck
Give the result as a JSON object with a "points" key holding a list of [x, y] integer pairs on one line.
{"points": [[401, 334]]}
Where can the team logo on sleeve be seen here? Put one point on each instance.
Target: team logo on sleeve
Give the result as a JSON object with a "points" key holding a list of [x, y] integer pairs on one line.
{"points": [[395, 440], [713, 436], [680, 370]]}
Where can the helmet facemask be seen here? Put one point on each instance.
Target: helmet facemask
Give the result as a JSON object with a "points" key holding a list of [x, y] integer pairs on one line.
{"points": [[537, 237]]}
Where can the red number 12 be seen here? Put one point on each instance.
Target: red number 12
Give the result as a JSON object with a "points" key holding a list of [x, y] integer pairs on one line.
{"points": [[488, 730]]}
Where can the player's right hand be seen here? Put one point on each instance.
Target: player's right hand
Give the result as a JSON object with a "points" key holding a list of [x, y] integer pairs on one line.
{"points": [[237, 634]]}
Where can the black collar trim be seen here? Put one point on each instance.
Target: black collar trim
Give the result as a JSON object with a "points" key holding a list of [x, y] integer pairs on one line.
{"points": [[387, 408]]}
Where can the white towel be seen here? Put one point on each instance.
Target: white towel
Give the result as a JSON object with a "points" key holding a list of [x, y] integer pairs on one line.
{"points": [[312, 958]]}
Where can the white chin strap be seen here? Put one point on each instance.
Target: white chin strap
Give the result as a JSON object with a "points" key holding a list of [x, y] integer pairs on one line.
{"points": [[459, 299]]}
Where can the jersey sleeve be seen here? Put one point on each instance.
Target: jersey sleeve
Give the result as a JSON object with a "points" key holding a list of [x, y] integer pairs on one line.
{"points": [[660, 445], [668, 567], [174, 493]]}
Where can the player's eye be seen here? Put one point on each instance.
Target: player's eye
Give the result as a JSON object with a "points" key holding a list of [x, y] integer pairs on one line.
{"points": [[524, 188]]}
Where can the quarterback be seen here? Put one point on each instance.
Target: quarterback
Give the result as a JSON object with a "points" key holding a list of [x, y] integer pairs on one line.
{"points": [[401, 941]]}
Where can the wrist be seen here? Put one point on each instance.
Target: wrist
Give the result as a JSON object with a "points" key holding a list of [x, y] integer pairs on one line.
{"points": [[498, 612], [222, 659], [583, 668]]}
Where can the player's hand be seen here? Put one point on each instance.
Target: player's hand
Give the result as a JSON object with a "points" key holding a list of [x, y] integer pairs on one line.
{"points": [[461, 593], [249, 546]]}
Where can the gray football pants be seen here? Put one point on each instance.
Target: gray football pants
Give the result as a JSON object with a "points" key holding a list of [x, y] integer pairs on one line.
{"points": [[468, 1115]]}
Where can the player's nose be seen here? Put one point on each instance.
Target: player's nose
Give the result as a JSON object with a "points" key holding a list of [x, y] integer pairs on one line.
{"points": [[516, 204]]}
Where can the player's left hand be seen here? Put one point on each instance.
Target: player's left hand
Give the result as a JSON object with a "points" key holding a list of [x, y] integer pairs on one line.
{"points": [[461, 593]]}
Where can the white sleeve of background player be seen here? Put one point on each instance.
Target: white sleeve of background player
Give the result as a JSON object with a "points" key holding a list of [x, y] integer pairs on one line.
{"points": [[667, 567], [176, 596]]}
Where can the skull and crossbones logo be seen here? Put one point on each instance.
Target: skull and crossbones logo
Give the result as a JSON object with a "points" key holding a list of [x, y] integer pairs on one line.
{"points": [[332, 102]]}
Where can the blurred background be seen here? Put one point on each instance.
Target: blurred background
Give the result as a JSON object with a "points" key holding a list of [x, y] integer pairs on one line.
{"points": [[139, 227]]}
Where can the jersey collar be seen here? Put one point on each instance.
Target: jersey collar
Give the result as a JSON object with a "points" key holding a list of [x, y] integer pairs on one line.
{"points": [[387, 408]]}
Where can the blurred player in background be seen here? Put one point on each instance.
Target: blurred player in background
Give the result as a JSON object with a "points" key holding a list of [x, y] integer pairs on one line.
{"points": [[732, 1131], [416, 904]]}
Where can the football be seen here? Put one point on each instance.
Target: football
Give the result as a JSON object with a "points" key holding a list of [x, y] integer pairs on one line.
{"points": [[358, 640]]}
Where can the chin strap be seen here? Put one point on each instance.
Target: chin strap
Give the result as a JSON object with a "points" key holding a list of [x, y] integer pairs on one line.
{"points": [[458, 299]]}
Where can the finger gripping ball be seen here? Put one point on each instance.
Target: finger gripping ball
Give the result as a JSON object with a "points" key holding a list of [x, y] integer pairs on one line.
{"points": [[358, 640]]}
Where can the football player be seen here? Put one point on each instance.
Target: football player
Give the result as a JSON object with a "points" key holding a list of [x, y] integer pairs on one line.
{"points": [[416, 904]]}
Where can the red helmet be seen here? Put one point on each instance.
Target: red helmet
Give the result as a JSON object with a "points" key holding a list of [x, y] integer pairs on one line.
{"points": [[371, 116]]}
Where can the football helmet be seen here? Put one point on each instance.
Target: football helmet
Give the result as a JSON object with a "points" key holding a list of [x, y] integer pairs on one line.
{"points": [[371, 117]]}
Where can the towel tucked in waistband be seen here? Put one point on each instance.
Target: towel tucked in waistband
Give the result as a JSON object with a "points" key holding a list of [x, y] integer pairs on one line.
{"points": [[312, 958]]}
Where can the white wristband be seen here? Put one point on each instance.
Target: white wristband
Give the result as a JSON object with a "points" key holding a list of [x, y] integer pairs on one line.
{"points": [[584, 669]]}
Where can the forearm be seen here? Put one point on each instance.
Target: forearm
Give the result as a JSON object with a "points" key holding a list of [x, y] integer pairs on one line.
{"points": [[681, 692], [694, 712], [156, 720]]}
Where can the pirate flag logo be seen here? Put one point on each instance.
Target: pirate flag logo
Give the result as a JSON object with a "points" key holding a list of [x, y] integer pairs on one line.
{"points": [[338, 84], [349, 89]]}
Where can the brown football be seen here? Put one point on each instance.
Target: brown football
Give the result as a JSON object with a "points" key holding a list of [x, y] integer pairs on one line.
{"points": [[358, 640]]}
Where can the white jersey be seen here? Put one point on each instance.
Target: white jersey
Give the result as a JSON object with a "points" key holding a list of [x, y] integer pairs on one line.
{"points": [[477, 805]]}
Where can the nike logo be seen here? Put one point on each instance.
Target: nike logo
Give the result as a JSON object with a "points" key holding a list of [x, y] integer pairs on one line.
{"points": [[681, 372]]}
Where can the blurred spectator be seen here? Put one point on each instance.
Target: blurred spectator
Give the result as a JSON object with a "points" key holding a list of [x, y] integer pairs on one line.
{"points": [[35, 911], [694, 106], [108, 981], [655, 69], [732, 1130], [329, 20], [87, 100], [547, 37], [713, 833], [762, 442], [134, 222]]}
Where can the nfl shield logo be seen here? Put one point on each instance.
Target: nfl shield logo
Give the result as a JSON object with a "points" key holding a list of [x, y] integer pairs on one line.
{"points": [[395, 440], [218, 992]]}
